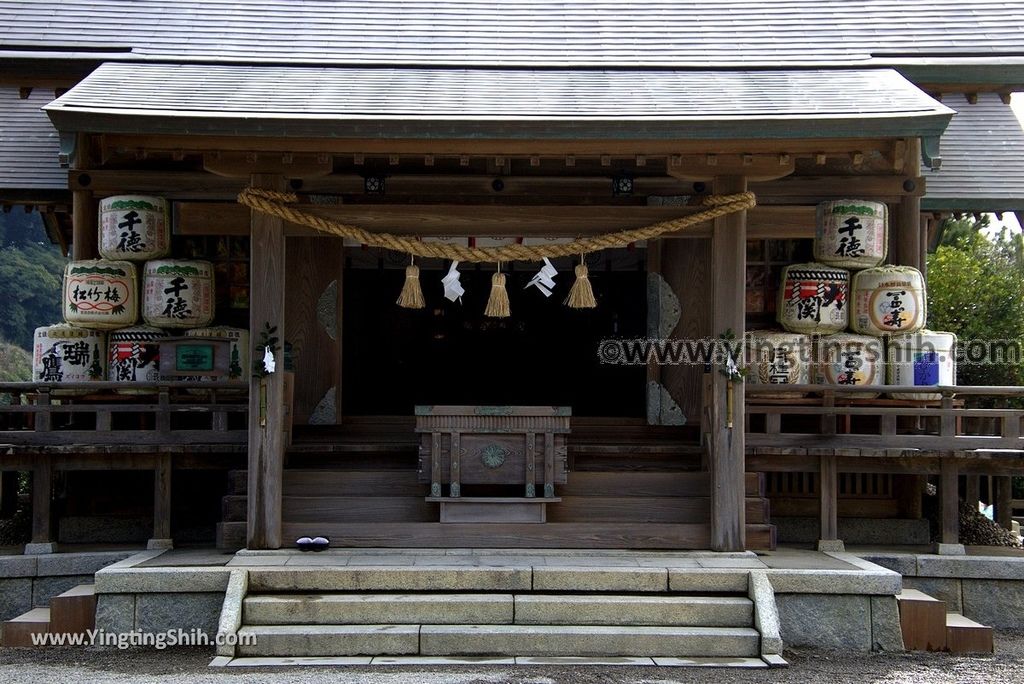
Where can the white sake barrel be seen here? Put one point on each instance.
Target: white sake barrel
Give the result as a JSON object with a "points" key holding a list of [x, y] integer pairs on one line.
{"points": [[851, 361], [778, 358], [888, 300], [100, 294], [813, 299], [238, 368], [65, 354], [135, 354], [177, 293], [851, 233], [923, 358], [134, 227]]}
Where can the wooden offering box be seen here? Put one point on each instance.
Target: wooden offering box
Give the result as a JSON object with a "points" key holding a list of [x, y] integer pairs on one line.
{"points": [[493, 445]]}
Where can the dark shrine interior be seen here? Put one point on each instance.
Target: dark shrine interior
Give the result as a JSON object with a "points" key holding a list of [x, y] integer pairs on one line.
{"points": [[449, 353]]}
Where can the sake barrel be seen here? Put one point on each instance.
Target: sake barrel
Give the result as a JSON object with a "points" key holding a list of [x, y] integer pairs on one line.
{"points": [[177, 293], [134, 227], [778, 358], [851, 361], [813, 299], [67, 354], [135, 354], [100, 294], [920, 359], [851, 233], [238, 368], [888, 300]]}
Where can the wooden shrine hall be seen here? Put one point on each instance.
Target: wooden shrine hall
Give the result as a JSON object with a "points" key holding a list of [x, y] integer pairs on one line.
{"points": [[441, 425]]}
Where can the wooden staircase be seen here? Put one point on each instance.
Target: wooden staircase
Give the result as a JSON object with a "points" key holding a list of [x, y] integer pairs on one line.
{"points": [[71, 613], [928, 626], [629, 486]]}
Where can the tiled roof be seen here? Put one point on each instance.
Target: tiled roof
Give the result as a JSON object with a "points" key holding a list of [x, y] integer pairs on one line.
{"points": [[982, 159], [368, 102], [625, 33], [28, 143]]}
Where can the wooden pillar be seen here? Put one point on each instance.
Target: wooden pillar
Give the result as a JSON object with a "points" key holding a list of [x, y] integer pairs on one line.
{"points": [[908, 215], [266, 394], [42, 488], [84, 233], [161, 504], [829, 493], [972, 490], [1003, 508], [949, 499], [728, 458]]}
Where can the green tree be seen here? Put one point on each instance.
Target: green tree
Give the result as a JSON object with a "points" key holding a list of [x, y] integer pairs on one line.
{"points": [[975, 282], [31, 271]]}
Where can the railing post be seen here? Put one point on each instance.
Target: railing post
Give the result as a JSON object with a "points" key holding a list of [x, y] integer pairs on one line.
{"points": [[162, 471], [44, 417], [828, 485], [1003, 508]]}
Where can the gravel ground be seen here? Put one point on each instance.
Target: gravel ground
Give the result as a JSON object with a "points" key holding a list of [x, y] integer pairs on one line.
{"points": [[174, 666]]}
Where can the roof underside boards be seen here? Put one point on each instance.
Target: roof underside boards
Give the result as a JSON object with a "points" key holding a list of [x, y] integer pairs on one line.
{"points": [[628, 33], [28, 143], [492, 103], [982, 159]]}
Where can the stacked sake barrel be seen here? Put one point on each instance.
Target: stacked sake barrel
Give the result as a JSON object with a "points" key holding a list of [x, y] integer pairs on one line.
{"points": [[134, 280], [884, 307]]}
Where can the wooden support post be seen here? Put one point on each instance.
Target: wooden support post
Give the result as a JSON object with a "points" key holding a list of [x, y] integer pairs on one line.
{"points": [[454, 477], [972, 490], [727, 455], [84, 230], [530, 476], [266, 394], [908, 215], [829, 494], [42, 487], [950, 502], [1003, 509], [161, 504]]}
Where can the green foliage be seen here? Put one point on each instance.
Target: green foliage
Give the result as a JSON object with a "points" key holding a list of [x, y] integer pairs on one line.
{"points": [[15, 363], [31, 271], [975, 284]]}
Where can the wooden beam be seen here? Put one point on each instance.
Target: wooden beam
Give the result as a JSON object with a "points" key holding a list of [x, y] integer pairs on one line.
{"points": [[908, 216], [728, 254], [425, 220], [496, 147], [162, 502], [287, 164], [756, 167], [829, 493], [266, 394]]}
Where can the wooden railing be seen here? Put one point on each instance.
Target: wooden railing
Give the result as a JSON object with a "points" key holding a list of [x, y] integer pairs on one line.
{"points": [[831, 417], [103, 413]]}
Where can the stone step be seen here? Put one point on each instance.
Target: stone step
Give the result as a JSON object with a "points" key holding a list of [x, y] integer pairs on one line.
{"points": [[515, 640], [74, 611], [676, 611], [388, 579], [497, 609], [575, 640], [368, 609], [964, 635], [328, 640], [18, 632]]}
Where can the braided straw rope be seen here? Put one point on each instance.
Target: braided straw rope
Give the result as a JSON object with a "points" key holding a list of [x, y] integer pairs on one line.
{"points": [[277, 204]]}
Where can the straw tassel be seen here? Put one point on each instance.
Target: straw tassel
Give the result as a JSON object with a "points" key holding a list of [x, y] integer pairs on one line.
{"points": [[497, 303], [581, 296], [412, 292]]}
